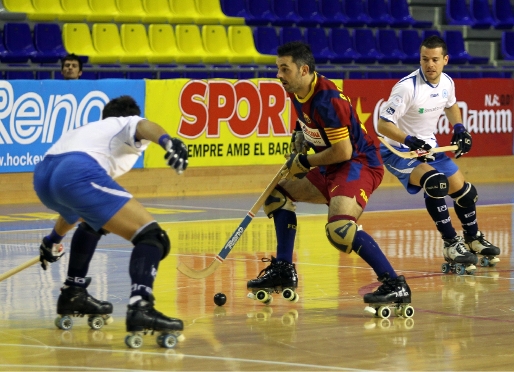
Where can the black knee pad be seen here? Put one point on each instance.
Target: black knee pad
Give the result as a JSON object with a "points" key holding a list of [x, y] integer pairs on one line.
{"points": [[466, 197], [435, 184], [89, 229], [152, 234]]}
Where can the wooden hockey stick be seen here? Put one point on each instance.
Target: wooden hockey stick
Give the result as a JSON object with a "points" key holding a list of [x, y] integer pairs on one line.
{"points": [[229, 245], [19, 268], [416, 153]]}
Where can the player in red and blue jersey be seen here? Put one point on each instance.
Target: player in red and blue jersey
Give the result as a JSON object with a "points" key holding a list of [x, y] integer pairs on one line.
{"points": [[343, 172]]}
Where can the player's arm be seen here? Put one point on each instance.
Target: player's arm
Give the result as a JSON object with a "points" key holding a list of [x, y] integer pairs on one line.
{"points": [[390, 130], [461, 136], [336, 153]]}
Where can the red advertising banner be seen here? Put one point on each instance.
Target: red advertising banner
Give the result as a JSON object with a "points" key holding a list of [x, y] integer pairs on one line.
{"points": [[487, 107]]}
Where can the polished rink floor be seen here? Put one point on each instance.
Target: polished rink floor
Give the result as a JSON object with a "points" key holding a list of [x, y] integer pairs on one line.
{"points": [[460, 322]]}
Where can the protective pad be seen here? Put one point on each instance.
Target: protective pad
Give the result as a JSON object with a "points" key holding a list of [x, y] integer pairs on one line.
{"points": [[341, 234], [90, 230], [435, 184], [468, 198], [277, 200], [152, 234]]}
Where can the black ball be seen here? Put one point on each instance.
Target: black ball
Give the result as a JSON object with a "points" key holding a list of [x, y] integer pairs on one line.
{"points": [[220, 299]]}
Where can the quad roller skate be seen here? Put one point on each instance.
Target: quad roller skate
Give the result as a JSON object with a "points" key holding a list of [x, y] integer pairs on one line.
{"points": [[479, 245], [393, 292], [458, 259], [77, 302], [143, 318], [279, 276]]}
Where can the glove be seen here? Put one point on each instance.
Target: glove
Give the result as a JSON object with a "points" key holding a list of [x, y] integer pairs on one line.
{"points": [[50, 254], [420, 146], [298, 166], [176, 154], [298, 143], [461, 138]]}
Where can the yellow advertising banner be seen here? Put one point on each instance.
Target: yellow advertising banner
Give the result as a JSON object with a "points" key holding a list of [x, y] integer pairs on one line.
{"points": [[222, 122]]}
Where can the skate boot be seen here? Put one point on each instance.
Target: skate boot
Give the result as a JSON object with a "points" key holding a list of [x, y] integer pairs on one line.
{"points": [[393, 292], [279, 276], [143, 318], [77, 302], [458, 259], [479, 245]]}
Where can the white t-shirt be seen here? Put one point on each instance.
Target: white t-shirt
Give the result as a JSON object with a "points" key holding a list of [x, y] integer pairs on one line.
{"points": [[415, 105], [111, 142]]}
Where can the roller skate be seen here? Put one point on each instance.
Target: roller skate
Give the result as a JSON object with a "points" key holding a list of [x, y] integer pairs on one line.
{"points": [[143, 318], [458, 259], [279, 276], [393, 292], [77, 302], [479, 245]]}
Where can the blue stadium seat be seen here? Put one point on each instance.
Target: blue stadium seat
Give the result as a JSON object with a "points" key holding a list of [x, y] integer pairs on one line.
{"points": [[287, 34], [234, 8], [457, 51], [507, 45], [110, 72], [400, 74], [341, 43], [494, 72], [378, 12], [310, 14], [364, 43], [48, 41], [259, 13], [270, 72], [332, 10], [3, 51], [194, 73], [18, 43], [286, 12], [19, 75], [223, 71], [457, 13], [399, 10], [247, 74], [318, 41], [470, 74], [503, 14], [428, 33], [168, 74], [385, 74], [266, 39], [410, 42], [388, 45], [481, 14], [329, 72], [140, 74], [356, 13]]}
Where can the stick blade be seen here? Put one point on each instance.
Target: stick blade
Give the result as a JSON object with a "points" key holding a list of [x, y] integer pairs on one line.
{"points": [[198, 274]]}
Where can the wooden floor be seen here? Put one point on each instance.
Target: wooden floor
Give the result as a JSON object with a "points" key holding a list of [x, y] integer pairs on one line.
{"points": [[460, 322]]}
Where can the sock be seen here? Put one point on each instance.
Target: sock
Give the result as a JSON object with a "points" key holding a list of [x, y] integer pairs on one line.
{"points": [[83, 245], [366, 247], [285, 228], [144, 263], [467, 215], [438, 210], [52, 239]]}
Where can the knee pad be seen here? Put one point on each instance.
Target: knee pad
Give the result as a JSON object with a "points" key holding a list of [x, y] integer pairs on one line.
{"points": [[465, 199], [152, 234], [435, 184], [341, 234], [89, 229], [276, 200]]}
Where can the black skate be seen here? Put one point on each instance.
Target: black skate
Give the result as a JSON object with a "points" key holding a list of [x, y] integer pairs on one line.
{"points": [[143, 318], [279, 276], [392, 291], [77, 302], [458, 259], [479, 245]]}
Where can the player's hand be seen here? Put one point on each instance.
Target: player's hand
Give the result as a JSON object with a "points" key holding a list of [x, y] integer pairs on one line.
{"points": [[298, 143], [461, 138], [50, 254], [415, 144], [298, 166], [176, 154]]}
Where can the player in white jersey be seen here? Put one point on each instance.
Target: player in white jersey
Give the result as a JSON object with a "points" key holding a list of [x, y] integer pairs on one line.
{"points": [[76, 179], [409, 121]]}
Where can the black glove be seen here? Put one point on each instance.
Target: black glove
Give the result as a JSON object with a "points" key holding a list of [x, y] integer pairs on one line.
{"points": [[461, 138], [298, 166], [50, 254], [176, 154], [416, 144]]}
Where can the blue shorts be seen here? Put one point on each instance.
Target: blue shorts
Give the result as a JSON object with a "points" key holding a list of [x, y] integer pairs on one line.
{"points": [[75, 185], [402, 168]]}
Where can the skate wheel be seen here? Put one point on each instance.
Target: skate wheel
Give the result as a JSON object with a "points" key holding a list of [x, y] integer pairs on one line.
{"points": [[64, 322], [134, 341], [384, 312], [95, 322], [370, 310], [445, 268], [262, 296], [288, 294], [460, 269], [407, 311], [168, 341], [484, 261]]}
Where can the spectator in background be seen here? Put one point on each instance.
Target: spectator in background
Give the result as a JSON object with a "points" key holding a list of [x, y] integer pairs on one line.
{"points": [[71, 67]]}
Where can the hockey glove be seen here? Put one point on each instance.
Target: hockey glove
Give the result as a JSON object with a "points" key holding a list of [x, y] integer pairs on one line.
{"points": [[298, 144], [461, 138], [176, 153], [298, 166], [420, 146], [50, 254]]}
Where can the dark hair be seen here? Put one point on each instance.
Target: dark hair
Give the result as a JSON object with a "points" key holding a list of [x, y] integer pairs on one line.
{"points": [[300, 52], [72, 57], [433, 42], [121, 106]]}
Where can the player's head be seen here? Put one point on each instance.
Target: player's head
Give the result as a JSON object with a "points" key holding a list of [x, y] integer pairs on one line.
{"points": [[71, 67], [296, 65], [434, 56], [121, 106]]}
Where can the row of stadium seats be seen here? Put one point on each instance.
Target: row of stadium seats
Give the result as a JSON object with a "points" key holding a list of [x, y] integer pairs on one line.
{"points": [[303, 13], [479, 14]]}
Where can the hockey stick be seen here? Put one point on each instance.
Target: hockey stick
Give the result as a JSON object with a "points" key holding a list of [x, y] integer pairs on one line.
{"points": [[416, 153], [231, 242], [19, 268]]}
